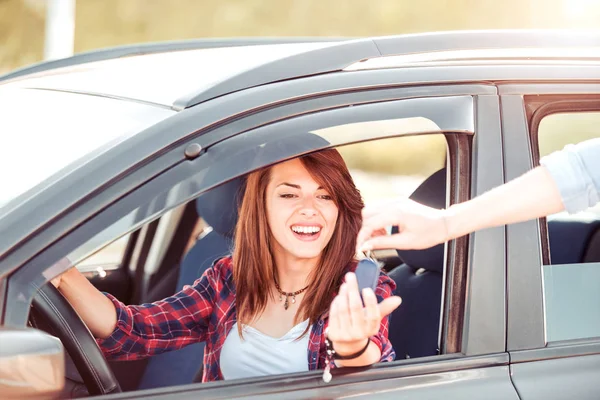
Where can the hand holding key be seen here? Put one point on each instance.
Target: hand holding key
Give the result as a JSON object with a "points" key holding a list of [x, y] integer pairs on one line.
{"points": [[351, 323]]}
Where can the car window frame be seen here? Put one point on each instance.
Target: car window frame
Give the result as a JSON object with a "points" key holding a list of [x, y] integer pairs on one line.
{"points": [[190, 168], [164, 145], [569, 104], [524, 105], [562, 104], [140, 154]]}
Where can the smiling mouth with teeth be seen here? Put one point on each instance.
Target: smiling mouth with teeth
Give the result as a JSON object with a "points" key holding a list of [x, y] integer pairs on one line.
{"points": [[306, 230]]}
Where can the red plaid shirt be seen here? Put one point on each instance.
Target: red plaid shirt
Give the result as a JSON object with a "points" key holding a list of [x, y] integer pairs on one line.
{"points": [[205, 312]]}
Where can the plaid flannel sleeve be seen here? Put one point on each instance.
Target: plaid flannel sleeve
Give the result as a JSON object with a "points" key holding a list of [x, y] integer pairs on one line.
{"points": [[169, 324], [385, 288]]}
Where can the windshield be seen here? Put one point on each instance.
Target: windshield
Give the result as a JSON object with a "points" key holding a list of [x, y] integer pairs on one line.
{"points": [[44, 131]]}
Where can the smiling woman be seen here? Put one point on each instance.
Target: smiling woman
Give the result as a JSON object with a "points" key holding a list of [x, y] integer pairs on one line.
{"points": [[306, 215], [288, 286]]}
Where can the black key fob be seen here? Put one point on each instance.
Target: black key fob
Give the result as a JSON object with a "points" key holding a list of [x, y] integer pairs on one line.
{"points": [[367, 274]]}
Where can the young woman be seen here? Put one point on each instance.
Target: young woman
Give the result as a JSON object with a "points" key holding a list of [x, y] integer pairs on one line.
{"points": [[269, 308]]}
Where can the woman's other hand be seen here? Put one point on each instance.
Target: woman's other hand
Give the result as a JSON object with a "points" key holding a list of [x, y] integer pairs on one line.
{"points": [[351, 323]]}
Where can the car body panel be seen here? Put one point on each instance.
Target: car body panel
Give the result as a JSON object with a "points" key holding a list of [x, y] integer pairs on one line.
{"points": [[485, 308], [457, 385], [523, 239], [572, 377], [557, 88], [449, 376]]}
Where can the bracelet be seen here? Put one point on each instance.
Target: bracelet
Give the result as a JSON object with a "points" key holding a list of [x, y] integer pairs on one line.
{"points": [[332, 353]]}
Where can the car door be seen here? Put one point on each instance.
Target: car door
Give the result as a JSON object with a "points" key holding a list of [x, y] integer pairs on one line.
{"points": [[468, 368], [456, 370], [472, 329], [553, 304]]}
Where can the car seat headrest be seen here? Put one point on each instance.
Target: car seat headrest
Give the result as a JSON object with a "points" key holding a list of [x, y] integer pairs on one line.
{"points": [[219, 206], [432, 193]]}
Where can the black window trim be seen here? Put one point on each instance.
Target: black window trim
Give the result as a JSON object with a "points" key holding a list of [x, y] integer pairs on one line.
{"points": [[560, 349]]}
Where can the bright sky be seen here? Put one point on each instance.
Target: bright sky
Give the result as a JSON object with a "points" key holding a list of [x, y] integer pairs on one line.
{"points": [[579, 8]]}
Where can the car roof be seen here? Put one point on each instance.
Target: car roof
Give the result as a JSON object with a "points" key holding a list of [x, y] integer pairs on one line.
{"points": [[158, 78], [158, 47], [182, 74]]}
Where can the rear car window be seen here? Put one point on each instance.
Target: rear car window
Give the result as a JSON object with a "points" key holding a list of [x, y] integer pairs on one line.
{"points": [[572, 278]]}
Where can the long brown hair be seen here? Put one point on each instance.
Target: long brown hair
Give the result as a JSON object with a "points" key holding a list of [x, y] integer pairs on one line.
{"points": [[253, 262]]}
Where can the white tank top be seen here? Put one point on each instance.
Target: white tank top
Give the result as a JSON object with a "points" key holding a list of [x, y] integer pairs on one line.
{"points": [[259, 354]]}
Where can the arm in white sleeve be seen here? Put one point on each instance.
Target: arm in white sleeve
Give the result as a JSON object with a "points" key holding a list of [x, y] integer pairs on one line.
{"points": [[576, 172]]}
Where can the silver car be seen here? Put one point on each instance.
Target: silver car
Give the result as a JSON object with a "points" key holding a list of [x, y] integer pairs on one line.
{"points": [[121, 162]]}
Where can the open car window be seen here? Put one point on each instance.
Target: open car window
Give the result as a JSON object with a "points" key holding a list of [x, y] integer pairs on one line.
{"points": [[393, 149], [572, 277], [383, 170]]}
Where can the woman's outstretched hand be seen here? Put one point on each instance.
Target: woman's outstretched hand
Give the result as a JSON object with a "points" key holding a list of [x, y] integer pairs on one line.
{"points": [[351, 324]]}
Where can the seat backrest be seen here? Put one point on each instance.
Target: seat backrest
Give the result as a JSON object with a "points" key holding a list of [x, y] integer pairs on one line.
{"points": [[414, 326], [218, 207], [592, 253], [570, 238]]}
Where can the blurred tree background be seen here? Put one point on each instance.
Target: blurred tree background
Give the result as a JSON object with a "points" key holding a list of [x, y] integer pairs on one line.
{"points": [[105, 23]]}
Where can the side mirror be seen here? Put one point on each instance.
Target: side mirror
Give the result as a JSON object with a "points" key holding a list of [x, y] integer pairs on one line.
{"points": [[32, 364]]}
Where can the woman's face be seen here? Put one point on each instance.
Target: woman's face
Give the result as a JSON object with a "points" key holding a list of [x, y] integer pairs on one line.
{"points": [[301, 215]]}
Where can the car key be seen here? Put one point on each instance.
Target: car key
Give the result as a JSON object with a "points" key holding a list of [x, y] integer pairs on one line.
{"points": [[367, 273], [367, 276]]}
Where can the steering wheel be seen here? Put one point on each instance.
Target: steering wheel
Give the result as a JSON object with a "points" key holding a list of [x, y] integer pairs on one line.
{"points": [[54, 310]]}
